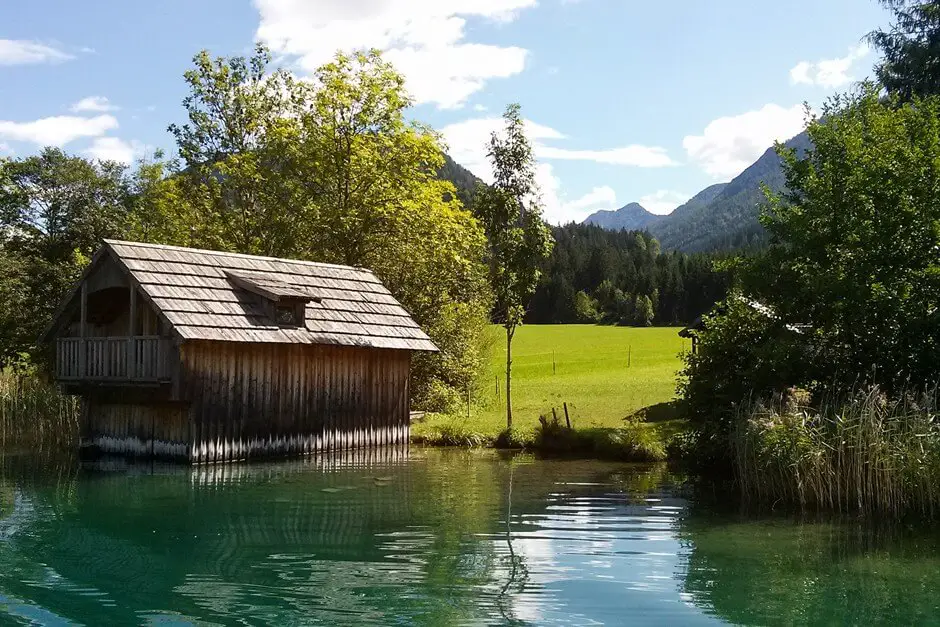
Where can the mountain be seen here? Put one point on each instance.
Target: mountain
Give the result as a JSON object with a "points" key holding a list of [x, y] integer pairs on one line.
{"points": [[722, 216], [725, 216], [632, 217], [463, 179]]}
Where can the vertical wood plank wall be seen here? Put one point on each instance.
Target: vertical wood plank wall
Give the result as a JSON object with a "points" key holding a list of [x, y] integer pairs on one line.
{"points": [[269, 400], [158, 429]]}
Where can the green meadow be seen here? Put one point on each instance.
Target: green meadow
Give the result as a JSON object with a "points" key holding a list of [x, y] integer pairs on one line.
{"points": [[603, 373]]}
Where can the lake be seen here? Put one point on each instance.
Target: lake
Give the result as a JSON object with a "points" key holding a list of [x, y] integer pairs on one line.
{"points": [[432, 537]]}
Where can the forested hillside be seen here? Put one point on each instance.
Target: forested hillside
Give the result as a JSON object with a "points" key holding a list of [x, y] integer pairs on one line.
{"points": [[463, 179], [729, 219], [622, 277], [720, 217]]}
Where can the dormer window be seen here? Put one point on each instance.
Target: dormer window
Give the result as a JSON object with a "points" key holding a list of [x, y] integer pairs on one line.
{"points": [[284, 304], [286, 315]]}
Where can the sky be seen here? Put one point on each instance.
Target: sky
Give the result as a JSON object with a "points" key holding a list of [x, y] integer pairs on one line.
{"points": [[624, 100]]}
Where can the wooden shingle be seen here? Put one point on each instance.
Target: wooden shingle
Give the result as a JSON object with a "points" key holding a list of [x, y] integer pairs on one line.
{"points": [[195, 291]]}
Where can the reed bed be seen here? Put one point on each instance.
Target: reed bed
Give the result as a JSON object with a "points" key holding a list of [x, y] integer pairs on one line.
{"points": [[868, 455], [35, 414]]}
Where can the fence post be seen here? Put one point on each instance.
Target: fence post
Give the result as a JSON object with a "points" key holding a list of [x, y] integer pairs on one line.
{"points": [[82, 345], [131, 342]]}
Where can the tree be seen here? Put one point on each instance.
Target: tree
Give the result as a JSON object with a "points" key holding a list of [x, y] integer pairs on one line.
{"points": [[585, 308], [511, 214], [643, 311], [54, 212], [233, 178], [855, 240], [911, 48]]}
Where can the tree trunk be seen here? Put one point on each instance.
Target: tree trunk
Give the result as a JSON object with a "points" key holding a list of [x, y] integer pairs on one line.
{"points": [[509, 333]]}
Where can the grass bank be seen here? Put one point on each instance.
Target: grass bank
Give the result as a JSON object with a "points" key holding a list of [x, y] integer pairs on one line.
{"points": [[604, 374]]}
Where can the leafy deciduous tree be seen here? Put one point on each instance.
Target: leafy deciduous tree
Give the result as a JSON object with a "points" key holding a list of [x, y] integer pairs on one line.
{"points": [[519, 239]]}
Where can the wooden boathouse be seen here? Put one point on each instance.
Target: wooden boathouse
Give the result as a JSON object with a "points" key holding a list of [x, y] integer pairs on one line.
{"points": [[209, 356]]}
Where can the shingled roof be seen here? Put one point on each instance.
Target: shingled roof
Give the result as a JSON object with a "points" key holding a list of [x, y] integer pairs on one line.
{"points": [[195, 291]]}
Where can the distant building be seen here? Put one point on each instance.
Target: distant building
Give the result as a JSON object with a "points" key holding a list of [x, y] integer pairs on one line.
{"points": [[211, 356], [698, 324]]}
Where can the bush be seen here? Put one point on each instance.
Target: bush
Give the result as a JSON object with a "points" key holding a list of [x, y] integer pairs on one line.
{"points": [[744, 353], [634, 442]]}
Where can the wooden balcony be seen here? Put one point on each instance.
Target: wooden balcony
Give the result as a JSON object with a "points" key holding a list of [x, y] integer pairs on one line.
{"points": [[137, 359]]}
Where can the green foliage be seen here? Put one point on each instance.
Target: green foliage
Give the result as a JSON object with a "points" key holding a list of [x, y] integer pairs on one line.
{"points": [[511, 215], [615, 267], [846, 296], [643, 311], [54, 211], [856, 240], [585, 308], [518, 238], [742, 351], [910, 49], [634, 441]]}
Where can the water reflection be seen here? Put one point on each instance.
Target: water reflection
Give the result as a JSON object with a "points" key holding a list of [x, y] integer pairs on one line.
{"points": [[427, 537]]}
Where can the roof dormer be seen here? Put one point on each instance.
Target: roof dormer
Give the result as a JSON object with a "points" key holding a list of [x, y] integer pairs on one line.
{"points": [[283, 303]]}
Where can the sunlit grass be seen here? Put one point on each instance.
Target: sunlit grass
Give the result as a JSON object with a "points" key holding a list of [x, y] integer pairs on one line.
{"points": [[603, 373]]}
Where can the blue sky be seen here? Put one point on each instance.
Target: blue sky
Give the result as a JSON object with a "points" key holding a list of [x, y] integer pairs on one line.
{"points": [[626, 100]]}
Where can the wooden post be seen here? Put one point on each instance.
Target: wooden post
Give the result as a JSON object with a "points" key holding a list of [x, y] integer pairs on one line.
{"points": [[82, 351], [131, 330], [629, 355], [554, 416], [468, 402], [567, 419], [553, 362]]}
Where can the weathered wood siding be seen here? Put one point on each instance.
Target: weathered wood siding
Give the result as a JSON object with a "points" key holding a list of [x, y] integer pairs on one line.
{"points": [[154, 429], [266, 400]]}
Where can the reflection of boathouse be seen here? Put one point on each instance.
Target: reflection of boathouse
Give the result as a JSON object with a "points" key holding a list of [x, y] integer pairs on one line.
{"points": [[211, 356]]}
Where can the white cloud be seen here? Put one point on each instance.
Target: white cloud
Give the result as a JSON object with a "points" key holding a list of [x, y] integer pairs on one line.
{"points": [[115, 149], [663, 201], [467, 141], [57, 130], [728, 145], [560, 210], [24, 52], [828, 72], [6, 149], [425, 39], [603, 197], [479, 107], [95, 104], [633, 155]]}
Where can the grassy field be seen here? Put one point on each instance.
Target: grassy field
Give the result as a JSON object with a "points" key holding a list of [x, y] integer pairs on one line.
{"points": [[603, 373]]}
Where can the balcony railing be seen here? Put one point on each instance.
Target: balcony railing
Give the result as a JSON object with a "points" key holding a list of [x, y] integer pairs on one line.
{"points": [[139, 358]]}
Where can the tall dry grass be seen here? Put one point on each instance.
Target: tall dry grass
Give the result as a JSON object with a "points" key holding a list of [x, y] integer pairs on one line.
{"points": [[868, 455], [35, 414]]}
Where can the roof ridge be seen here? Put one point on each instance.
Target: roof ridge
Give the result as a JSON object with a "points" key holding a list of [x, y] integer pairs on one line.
{"points": [[222, 253]]}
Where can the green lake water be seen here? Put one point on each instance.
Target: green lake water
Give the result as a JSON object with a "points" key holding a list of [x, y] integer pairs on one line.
{"points": [[432, 537]]}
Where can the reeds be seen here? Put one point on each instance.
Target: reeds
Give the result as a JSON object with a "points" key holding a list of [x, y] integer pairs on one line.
{"points": [[868, 455], [35, 414]]}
